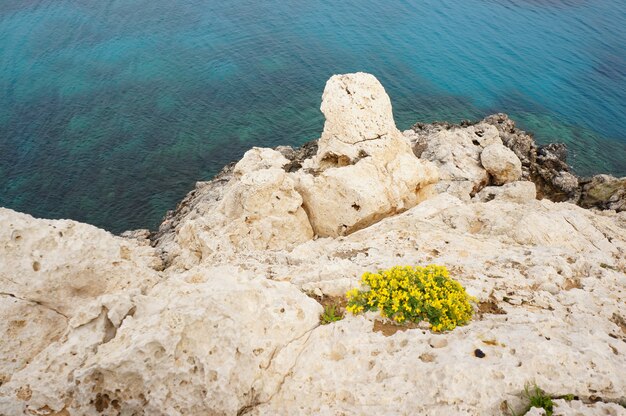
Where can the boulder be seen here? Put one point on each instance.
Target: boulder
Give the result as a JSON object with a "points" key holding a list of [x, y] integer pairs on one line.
{"points": [[264, 211], [359, 121], [545, 165], [501, 163]]}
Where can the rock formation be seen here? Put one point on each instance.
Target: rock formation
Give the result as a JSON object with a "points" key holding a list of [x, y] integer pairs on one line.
{"points": [[216, 314], [501, 163], [363, 161], [604, 192], [456, 150]]}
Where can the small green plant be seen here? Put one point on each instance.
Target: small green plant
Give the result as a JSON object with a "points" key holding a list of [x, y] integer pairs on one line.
{"points": [[331, 314], [414, 294], [568, 397], [537, 398]]}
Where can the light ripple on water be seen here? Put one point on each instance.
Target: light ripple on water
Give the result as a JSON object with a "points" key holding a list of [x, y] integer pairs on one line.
{"points": [[111, 110]]}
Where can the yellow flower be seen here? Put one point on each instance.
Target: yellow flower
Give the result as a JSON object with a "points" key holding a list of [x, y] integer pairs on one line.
{"points": [[414, 294]]}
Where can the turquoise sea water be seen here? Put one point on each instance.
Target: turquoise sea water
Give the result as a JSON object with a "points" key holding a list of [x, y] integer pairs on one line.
{"points": [[110, 110]]}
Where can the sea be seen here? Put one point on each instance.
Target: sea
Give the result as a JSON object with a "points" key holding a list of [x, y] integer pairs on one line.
{"points": [[111, 110]]}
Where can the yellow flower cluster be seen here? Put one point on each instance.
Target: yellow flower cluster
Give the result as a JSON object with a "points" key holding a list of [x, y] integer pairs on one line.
{"points": [[414, 294]]}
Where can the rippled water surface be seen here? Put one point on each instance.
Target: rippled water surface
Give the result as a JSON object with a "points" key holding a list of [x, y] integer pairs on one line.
{"points": [[111, 109]]}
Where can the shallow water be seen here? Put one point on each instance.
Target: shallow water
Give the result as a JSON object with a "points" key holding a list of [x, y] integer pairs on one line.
{"points": [[111, 110]]}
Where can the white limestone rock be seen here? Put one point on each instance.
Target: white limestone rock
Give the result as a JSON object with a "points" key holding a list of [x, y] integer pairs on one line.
{"points": [[209, 341], [63, 265], [259, 209], [264, 211], [343, 200], [51, 273], [579, 408], [546, 283], [27, 328], [358, 120], [46, 386], [518, 191], [456, 152], [364, 169], [501, 163], [259, 159]]}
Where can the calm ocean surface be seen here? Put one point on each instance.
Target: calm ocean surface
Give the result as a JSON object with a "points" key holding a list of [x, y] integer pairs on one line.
{"points": [[110, 110]]}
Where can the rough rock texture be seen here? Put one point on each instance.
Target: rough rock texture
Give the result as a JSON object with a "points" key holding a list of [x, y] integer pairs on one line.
{"points": [[544, 165], [200, 345], [358, 115], [578, 408], [63, 265], [360, 140], [604, 192], [276, 199], [53, 275], [456, 152], [501, 163], [28, 328], [215, 319], [519, 191]]}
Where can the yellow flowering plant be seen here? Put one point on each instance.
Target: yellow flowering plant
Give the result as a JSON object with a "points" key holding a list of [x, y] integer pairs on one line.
{"points": [[414, 294]]}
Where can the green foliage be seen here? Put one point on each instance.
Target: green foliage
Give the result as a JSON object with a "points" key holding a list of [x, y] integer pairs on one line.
{"points": [[537, 398], [414, 294], [331, 314]]}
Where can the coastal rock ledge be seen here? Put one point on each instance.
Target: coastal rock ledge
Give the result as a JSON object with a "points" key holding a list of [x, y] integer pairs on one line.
{"points": [[217, 313]]}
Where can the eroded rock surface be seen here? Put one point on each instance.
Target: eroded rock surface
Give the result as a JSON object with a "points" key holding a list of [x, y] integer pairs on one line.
{"points": [[456, 152], [604, 192], [360, 171], [364, 169], [63, 265], [215, 318], [501, 163]]}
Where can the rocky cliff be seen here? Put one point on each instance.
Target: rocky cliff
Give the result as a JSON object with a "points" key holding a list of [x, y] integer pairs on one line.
{"points": [[217, 313]]}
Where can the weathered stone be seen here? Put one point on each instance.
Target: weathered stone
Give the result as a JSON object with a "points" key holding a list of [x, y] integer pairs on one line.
{"points": [[364, 169], [359, 121], [456, 152], [501, 163], [28, 328], [261, 210], [519, 192], [545, 165], [264, 211], [604, 192], [63, 265]]}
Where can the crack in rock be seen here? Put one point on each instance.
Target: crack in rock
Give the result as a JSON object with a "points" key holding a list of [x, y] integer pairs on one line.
{"points": [[251, 406], [36, 303]]}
